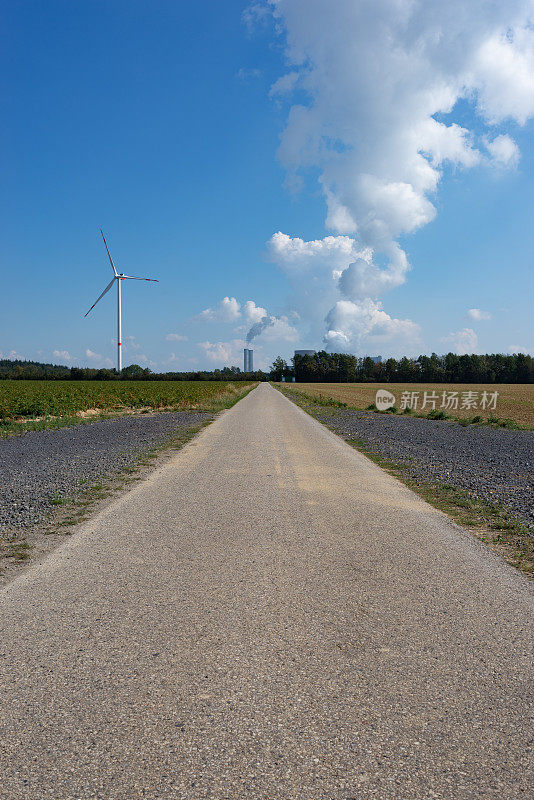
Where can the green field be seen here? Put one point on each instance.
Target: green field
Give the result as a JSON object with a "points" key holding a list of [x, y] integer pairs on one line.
{"points": [[26, 400]]}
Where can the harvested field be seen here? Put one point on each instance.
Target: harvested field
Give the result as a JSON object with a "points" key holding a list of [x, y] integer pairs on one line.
{"points": [[514, 402]]}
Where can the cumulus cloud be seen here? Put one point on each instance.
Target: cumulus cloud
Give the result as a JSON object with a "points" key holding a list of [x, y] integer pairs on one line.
{"points": [[349, 323], [502, 65], [503, 150], [228, 310], [176, 337], [377, 76], [97, 358], [223, 353], [336, 286], [478, 315], [313, 269], [254, 317], [64, 355], [253, 313], [378, 85], [518, 348], [464, 341]]}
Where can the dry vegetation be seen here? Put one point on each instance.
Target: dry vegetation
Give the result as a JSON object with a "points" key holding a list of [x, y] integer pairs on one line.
{"points": [[515, 401]]}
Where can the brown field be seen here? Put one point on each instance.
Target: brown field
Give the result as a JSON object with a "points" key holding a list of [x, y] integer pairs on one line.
{"points": [[514, 402]]}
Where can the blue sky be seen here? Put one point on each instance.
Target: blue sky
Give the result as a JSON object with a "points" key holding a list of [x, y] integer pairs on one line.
{"points": [[157, 121]]}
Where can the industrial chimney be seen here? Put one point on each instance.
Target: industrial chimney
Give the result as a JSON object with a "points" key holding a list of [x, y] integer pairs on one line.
{"points": [[248, 360]]}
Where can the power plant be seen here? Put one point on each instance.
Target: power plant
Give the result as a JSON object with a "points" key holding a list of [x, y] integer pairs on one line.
{"points": [[248, 363], [304, 352]]}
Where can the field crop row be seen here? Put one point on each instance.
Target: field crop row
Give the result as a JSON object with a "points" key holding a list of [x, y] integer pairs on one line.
{"points": [[32, 399]]}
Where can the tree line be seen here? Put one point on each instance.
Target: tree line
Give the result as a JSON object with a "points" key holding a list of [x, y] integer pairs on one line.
{"points": [[321, 367], [35, 370], [448, 368]]}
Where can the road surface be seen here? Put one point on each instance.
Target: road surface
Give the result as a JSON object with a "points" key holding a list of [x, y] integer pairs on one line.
{"points": [[269, 615]]}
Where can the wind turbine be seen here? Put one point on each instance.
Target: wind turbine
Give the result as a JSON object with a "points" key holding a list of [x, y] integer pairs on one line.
{"points": [[117, 276]]}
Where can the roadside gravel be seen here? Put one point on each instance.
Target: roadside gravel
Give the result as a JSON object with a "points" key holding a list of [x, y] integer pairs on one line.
{"points": [[42, 466], [494, 465]]}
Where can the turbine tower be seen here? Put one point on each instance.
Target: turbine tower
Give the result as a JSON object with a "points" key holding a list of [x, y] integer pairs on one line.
{"points": [[117, 276]]}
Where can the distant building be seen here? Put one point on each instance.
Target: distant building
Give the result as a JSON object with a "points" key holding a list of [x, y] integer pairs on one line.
{"points": [[248, 360], [305, 352]]}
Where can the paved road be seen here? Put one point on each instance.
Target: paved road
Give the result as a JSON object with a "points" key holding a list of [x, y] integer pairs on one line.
{"points": [[268, 616]]}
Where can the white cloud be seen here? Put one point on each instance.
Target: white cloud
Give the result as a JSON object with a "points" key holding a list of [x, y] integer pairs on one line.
{"points": [[64, 355], [477, 314], [353, 327], [336, 283], [464, 341], [228, 310], [141, 358], [284, 85], [376, 76], [517, 348], [255, 318], [504, 151], [378, 86], [253, 313], [96, 357], [313, 269], [129, 342], [295, 255], [176, 337], [363, 279], [502, 69], [12, 355], [254, 15], [224, 354]]}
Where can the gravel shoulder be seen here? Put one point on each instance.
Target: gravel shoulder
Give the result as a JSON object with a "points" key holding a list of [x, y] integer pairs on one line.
{"points": [[494, 465], [482, 477], [44, 473]]}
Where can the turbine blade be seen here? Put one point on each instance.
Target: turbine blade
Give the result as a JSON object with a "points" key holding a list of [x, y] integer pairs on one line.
{"points": [[108, 287], [133, 278], [110, 259]]}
